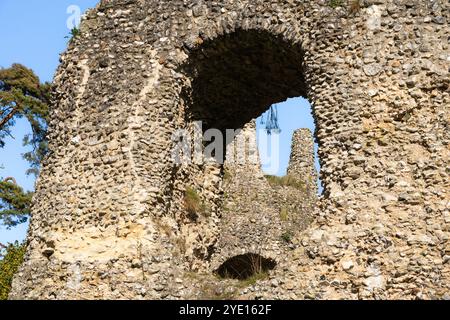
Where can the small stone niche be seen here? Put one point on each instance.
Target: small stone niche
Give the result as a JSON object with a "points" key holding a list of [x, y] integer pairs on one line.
{"points": [[243, 267]]}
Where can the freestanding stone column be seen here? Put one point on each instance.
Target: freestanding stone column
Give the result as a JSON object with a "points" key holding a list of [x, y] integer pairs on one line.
{"points": [[110, 218], [302, 164]]}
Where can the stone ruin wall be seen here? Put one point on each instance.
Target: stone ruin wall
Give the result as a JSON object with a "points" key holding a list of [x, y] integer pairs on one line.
{"points": [[108, 218], [302, 161], [255, 214]]}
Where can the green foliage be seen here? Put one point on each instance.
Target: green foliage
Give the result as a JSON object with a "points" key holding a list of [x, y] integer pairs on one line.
{"points": [[23, 96], [335, 3], [194, 205], [11, 259], [227, 175], [287, 237], [286, 181], [192, 201], [15, 204], [74, 33], [251, 281]]}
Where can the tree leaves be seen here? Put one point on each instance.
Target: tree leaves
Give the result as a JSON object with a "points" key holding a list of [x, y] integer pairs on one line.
{"points": [[22, 96], [15, 204], [11, 257]]}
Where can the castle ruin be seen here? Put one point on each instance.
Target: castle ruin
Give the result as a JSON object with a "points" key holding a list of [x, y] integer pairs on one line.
{"points": [[109, 218]]}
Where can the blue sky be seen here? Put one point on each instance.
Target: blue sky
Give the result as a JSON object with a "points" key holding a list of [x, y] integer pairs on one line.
{"points": [[33, 33], [293, 114]]}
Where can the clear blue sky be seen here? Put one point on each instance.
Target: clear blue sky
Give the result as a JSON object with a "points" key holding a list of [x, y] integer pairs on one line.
{"points": [[293, 114], [33, 33]]}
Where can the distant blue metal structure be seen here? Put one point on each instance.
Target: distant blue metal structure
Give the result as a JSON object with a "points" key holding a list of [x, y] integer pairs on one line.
{"points": [[271, 122]]}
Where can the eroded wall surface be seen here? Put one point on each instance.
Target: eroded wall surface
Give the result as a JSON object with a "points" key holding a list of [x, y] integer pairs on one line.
{"points": [[108, 217]]}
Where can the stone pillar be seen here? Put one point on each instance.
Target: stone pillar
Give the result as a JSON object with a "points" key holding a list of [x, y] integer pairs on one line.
{"points": [[243, 154], [302, 162]]}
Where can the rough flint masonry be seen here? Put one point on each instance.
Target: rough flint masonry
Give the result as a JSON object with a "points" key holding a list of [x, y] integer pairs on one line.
{"points": [[110, 201], [190, 147]]}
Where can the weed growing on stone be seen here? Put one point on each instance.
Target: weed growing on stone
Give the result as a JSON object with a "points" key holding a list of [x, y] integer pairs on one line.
{"points": [[286, 181], [287, 237], [253, 279], [74, 33], [194, 205], [335, 3]]}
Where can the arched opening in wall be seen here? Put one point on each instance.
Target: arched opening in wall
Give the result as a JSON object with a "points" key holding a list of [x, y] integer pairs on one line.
{"points": [[237, 77], [245, 266]]}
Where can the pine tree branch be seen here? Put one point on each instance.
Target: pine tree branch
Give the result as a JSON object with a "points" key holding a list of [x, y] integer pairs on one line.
{"points": [[5, 120]]}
